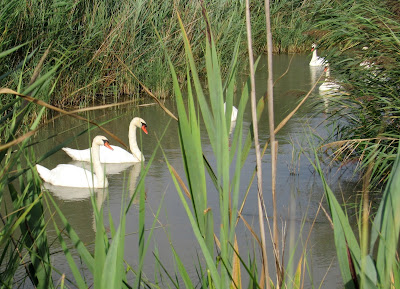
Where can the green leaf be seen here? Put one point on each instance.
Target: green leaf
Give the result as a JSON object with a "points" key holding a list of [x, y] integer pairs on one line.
{"points": [[386, 226], [74, 269], [80, 247]]}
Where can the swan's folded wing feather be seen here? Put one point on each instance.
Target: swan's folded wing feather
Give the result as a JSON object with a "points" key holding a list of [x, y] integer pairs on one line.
{"points": [[78, 155], [71, 176]]}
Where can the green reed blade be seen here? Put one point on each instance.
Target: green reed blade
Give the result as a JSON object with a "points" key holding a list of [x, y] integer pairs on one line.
{"points": [[4, 237], [208, 258], [80, 247], [182, 270], [113, 269], [80, 283], [386, 226], [346, 241], [11, 50], [101, 245]]}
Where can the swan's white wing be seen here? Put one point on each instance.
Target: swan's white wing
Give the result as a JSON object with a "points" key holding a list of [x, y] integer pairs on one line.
{"points": [[319, 61], [72, 176], [118, 155]]}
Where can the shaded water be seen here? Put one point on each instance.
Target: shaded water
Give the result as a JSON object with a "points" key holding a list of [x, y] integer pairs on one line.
{"points": [[298, 187]]}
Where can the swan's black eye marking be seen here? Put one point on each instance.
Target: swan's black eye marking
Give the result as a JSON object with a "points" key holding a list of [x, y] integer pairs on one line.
{"points": [[143, 124], [106, 141]]}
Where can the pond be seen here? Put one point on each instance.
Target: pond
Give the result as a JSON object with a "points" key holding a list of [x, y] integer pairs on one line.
{"points": [[299, 189]]}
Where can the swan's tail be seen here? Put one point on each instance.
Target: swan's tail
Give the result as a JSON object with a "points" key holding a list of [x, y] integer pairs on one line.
{"points": [[44, 173]]}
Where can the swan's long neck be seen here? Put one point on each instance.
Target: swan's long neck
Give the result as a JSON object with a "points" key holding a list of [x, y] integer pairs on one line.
{"points": [[327, 73], [97, 168], [314, 54], [133, 143]]}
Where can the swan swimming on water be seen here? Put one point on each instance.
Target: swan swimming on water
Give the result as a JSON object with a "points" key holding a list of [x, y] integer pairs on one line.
{"points": [[118, 155], [233, 117], [329, 85], [67, 175], [316, 60]]}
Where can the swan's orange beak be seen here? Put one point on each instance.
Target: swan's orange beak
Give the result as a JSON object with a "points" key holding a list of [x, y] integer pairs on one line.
{"points": [[144, 128], [107, 145]]}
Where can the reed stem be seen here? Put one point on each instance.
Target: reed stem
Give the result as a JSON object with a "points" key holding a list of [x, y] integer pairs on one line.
{"points": [[257, 146], [274, 143]]}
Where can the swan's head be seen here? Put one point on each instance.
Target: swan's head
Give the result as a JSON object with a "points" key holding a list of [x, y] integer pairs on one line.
{"points": [[101, 141], [313, 46], [140, 123]]}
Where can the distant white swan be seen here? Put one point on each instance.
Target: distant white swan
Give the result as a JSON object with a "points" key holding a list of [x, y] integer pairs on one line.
{"points": [[234, 112], [329, 85], [66, 175], [118, 155], [316, 60], [233, 117]]}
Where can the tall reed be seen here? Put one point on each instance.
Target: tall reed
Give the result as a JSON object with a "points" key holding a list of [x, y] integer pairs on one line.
{"points": [[371, 261], [23, 234]]}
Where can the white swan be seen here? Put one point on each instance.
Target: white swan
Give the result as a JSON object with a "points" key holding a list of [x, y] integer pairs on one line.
{"points": [[66, 175], [329, 86], [234, 112], [316, 60], [118, 155], [233, 117]]}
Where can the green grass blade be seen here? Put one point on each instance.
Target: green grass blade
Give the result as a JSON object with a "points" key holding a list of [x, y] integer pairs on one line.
{"points": [[113, 270], [11, 50], [346, 241], [386, 225], [182, 270], [80, 247], [74, 269], [209, 260], [101, 246]]}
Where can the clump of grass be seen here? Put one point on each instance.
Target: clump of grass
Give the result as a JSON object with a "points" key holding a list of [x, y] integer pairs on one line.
{"points": [[364, 54], [368, 260], [23, 234], [106, 43]]}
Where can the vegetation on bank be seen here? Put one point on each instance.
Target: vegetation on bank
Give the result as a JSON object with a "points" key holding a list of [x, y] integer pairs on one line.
{"points": [[361, 42], [110, 50]]}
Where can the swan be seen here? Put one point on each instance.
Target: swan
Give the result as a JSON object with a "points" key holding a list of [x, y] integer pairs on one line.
{"points": [[329, 86], [234, 112], [233, 117], [118, 155], [67, 175], [316, 60]]}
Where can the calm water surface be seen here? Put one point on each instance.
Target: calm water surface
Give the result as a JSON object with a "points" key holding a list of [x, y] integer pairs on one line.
{"points": [[298, 195]]}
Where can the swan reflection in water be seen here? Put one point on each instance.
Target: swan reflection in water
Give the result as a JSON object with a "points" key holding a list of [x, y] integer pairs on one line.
{"points": [[71, 194], [133, 178], [115, 169]]}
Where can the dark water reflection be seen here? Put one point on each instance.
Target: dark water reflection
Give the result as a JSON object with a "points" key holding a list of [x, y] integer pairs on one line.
{"points": [[298, 194]]}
